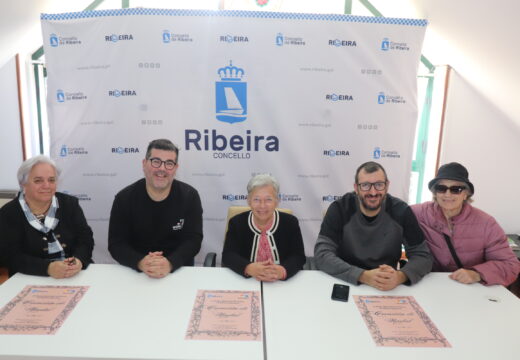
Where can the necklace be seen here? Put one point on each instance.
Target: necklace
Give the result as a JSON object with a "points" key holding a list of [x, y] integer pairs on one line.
{"points": [[40, 217], [41, 214]]}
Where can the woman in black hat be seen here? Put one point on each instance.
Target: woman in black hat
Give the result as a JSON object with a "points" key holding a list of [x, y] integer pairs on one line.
{"points": [[463, 239]]}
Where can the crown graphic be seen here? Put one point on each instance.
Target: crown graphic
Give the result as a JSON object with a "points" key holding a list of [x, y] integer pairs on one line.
{"points": [[230, 73]]}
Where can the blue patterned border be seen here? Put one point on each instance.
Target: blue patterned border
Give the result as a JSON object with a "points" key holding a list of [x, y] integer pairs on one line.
{"points": [[235, 13]]}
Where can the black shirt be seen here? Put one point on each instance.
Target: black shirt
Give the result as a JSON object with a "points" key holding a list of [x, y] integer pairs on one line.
{"points": [[139, 225]]}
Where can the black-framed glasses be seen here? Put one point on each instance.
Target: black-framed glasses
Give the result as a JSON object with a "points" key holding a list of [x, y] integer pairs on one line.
{"points": [[168, 164], [455, 189], [366, 186]]}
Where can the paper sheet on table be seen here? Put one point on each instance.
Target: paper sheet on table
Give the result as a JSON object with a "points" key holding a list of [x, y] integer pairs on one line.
{"points": [[226, 315], [399, 321], [39, 309]]}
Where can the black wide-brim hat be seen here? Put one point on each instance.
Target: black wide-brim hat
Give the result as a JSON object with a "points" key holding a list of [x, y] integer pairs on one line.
{"points": [[452, 171]]}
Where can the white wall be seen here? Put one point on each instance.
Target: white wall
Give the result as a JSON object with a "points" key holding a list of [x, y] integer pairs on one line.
{"points": [[481, 136], [482, 130], [11, 154]]}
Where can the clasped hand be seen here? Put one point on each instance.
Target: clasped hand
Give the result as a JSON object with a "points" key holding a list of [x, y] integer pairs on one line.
{"points": [[383, 278], [465, 276], [265, 271], [65, 268], [155, 265]]}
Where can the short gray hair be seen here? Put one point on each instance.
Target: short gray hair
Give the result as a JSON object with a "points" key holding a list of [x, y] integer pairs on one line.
{"points": [[27, 165], [263, 180]]}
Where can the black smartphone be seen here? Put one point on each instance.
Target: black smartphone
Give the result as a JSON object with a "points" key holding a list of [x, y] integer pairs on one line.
{"points": [[340, 292]]}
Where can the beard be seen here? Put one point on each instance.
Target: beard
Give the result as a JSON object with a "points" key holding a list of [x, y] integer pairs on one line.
{"points": [[371, 206]]}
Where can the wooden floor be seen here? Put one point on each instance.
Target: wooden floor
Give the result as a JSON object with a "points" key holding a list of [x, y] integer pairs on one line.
{"points": [[515, 287], [3, 275]]}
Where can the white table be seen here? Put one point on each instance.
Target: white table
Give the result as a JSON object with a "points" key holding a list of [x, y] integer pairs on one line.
{"points": [[126, 315], [302, 322]]}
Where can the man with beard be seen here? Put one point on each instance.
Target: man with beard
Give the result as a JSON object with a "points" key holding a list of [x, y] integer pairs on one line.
{"points": [[363, 232], [156, 222]]}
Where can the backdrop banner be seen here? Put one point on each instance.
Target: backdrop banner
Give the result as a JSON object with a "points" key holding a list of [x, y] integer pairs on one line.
{"points": [[304, 97]]}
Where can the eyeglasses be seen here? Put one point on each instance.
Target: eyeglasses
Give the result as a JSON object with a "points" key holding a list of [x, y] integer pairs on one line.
{"points": [[168, 164], [379, 186], [455, 189]]}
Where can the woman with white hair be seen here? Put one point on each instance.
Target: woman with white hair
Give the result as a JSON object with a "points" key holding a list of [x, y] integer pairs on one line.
{"points": [[264, 243], [46, 231]]}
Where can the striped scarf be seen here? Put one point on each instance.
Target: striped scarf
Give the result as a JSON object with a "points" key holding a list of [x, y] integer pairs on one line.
{"points": [[55, 250]]}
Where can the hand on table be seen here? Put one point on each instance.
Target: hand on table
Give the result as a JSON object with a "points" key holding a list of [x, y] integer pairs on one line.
{"points": [[383, 278], [265, 271], [64, 269], [155, 265], [465, 276]]}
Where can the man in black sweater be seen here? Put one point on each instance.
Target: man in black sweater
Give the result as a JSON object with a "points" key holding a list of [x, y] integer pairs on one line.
{"points": [[156, 222], [363, 232]]}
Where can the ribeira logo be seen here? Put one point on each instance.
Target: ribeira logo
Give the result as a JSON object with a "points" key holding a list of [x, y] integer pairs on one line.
{"points": [[379, 153], [279, 39], [168, 37], [282, 40], [334, 153], [55, 40], [231, 107], [233, 38], [118, 93], [331, 198], [387, 45], [62, 96], [231, 197], [218, 142], [335, 97], [231, 95], [116, 38], [383, 98], [125, 150], [339, 43], [63, 151], [68, 151]]}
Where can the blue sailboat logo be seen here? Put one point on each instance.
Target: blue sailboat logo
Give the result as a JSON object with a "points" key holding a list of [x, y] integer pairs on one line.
{"points": [[166, 36], [231, 95], [279, 39], [381, 98], [385, 44], [377, 153], [53, 39], [60, 96]]}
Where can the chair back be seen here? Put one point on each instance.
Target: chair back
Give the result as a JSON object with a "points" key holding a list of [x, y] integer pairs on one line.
{"points": [[5, 197]]}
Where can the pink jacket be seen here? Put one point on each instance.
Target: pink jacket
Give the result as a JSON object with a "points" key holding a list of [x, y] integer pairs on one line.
{"points": [[480, 243]]}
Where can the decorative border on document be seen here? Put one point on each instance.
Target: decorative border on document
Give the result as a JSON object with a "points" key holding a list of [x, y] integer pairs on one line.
{"points": [[254, 332], [51, 329], [435, 340]]}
